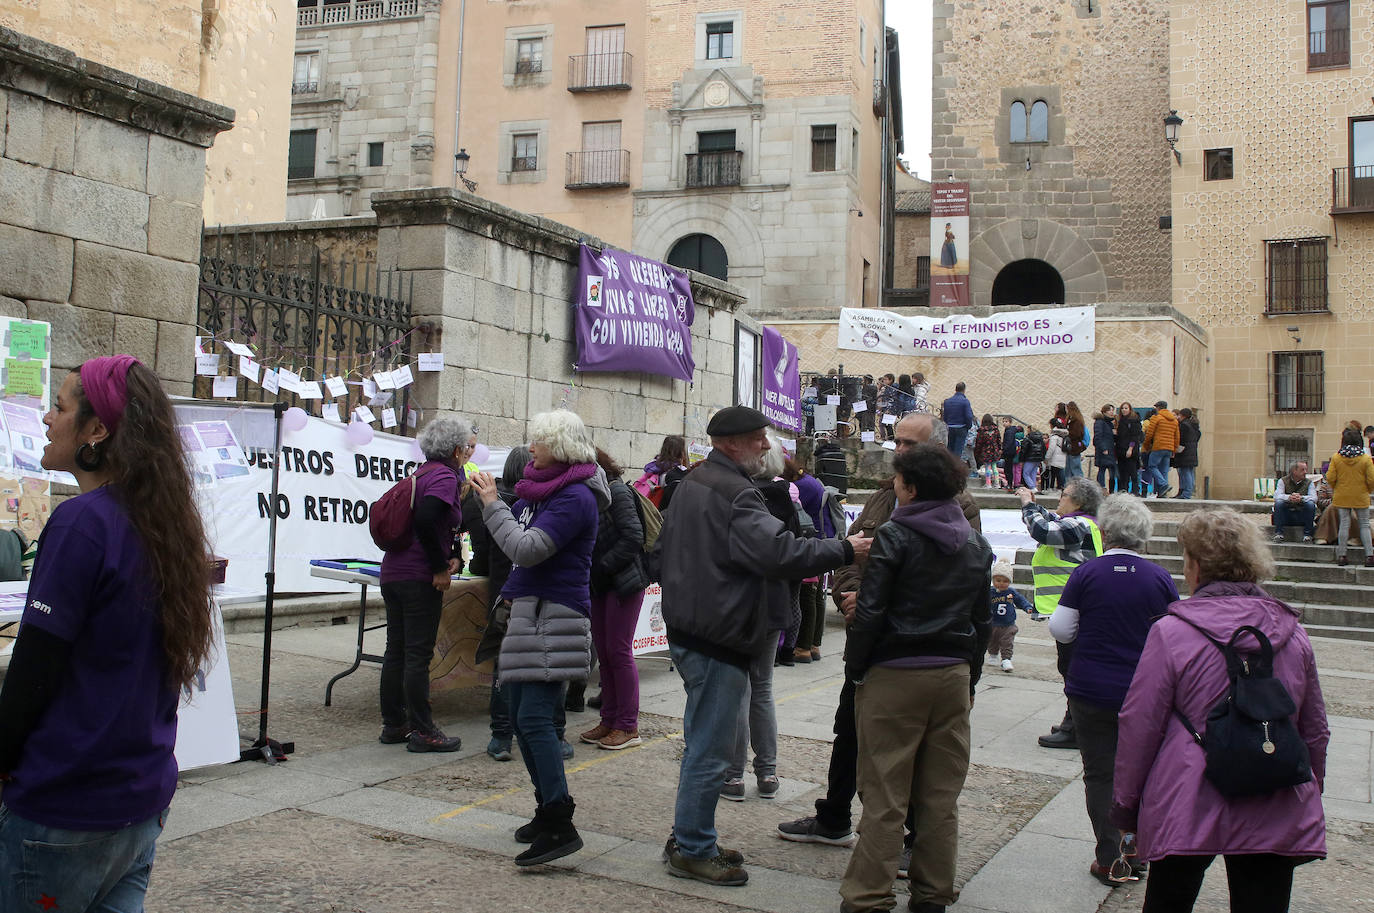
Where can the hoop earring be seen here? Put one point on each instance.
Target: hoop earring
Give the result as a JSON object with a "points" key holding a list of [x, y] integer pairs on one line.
{"points": [[89, 462]]}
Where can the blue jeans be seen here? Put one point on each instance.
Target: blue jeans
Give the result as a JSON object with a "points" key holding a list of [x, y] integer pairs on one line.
{"points": [[1157, 469], [958, 434], [500, 713], [758, 723], [715, 699], [532, 716], [1073, 467], [1186, 477], [49, 868], [1305, 512], [1029, 471]]}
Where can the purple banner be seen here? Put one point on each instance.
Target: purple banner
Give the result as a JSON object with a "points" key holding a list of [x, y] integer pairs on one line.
{"points": [[781, 382], [633, 314]]}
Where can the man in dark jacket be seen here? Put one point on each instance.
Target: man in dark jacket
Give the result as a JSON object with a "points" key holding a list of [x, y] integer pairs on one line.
{"points": [[832, 823], [1185, 462], [957, 412], [724, 559]]}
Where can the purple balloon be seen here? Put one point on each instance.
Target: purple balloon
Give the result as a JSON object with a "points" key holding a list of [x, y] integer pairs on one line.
{"points": [[415, 452], [480, 454], [294, 419], [358, 433]]}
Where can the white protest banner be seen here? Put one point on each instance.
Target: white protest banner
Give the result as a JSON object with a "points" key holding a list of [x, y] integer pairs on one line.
{"points": [[1040, 332], [651, 634]]}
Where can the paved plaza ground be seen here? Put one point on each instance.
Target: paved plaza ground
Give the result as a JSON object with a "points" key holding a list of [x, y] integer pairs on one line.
{"points": [[353, 826]]}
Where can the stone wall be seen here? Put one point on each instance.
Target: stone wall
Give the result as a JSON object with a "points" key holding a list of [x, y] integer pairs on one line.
{"points": [[101, 180], [500, 285], [910, 242]]}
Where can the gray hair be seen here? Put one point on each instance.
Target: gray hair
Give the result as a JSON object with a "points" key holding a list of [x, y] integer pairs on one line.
{"points": [[442, 436], [771, 462], [1125, 522], [1295, 464], [1084, 492], [565, 435]]}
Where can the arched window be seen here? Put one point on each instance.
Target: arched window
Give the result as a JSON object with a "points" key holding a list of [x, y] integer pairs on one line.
{"points": [[1039, 123], [1027, 283], [702, 253], [1018, 122]]}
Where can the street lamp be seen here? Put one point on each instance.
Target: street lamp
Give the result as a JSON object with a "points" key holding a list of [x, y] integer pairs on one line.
{"points": [[460, 167], [1171, 125]]}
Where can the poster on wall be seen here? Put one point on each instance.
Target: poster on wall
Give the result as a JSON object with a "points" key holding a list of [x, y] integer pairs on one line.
{"points": [[1025, 332], [25, 394], [949, 217], [633, 314], [746, 366], [781, 382]]}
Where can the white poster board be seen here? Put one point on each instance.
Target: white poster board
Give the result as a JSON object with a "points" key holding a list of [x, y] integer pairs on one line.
{"points": [[207, 726], [651, 634], [1030, 332]]}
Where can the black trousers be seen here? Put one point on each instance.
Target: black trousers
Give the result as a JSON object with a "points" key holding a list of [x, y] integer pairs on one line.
{"points": [[1095, 728], [412, 623], [1258, 883], [1063, 656]]}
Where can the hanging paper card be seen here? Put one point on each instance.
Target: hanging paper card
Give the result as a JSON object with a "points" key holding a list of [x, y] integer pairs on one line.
{"points": [[207, 365], [889, 419], [403, 377], [330, 410], [364, 414], [271, 381], [388, 418], [859, 405], [369, 387], [309, 389], [412, 419], [867, 437], [226, 386], [239, 349], [384, 380], [289, 380], [832, 400], [431, 361], [249, 368], [336, 386]]}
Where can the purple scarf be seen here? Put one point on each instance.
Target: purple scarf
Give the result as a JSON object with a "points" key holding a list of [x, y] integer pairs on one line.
{"points": [[540, 484]]}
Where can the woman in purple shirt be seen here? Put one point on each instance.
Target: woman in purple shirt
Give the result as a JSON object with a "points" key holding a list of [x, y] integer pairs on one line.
{"points": [[117, 622], [414, 579]]}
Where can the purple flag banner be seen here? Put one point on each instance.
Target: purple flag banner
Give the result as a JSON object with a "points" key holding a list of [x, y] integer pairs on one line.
{"points": [[781, 382], [633, 314]]}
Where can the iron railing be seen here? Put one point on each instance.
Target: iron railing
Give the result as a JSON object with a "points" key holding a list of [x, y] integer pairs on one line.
{"points": [[599, 72], [714, 169], [598, 168], [343, 12], [300, 311], [1295, 276], [879, 98], [1297, 382], [528, 66], [923, 272], [1328, 48], [305, 88], [1352, 189]]}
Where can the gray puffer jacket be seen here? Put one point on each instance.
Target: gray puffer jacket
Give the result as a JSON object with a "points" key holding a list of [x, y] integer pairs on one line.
{"points": [[545, 642]]}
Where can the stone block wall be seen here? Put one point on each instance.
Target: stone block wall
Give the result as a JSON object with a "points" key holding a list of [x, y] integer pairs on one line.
{"points": [[500, 284], [101, 180]]}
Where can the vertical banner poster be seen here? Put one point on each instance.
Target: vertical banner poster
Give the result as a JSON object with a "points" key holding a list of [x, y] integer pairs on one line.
{"points": [[746, 366], [781, 382], [633, 314], [949, 212]]}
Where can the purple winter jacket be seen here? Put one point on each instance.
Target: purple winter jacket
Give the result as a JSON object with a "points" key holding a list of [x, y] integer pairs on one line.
{"points": [[1159, 789]]}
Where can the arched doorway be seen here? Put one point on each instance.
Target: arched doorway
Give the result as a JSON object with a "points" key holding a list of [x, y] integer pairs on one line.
{"points": [[702, 253], [1028, 282]]}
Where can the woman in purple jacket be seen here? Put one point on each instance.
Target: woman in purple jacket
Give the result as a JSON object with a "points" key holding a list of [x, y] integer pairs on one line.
{"points": [[1160, 793]]}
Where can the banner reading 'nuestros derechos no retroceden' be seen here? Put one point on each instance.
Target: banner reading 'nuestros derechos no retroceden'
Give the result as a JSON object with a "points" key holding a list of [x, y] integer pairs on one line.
{"points": [[1040, 332], [633, 314]]}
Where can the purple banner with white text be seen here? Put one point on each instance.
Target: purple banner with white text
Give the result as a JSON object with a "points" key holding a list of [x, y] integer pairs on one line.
{"points": [[781, 382], [633, 314]]}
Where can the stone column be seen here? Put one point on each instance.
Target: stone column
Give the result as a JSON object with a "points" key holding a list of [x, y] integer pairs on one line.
{"points": [[422, 101], [675, 145]]}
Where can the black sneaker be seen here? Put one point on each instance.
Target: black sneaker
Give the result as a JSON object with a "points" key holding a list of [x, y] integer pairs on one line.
{"points": [[394, 735], [810, 830], [434, 740], [1064, 738], [716, 870]]}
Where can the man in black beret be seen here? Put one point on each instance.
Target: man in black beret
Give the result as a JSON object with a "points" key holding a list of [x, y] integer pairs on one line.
{"points": [[724, 559]]}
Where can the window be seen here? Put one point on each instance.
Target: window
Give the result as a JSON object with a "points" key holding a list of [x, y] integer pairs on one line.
{"points": [[1218, 165], [524, 152], [374, 154], [1297, 381], [1328, 34], [1286, 446], [716, 141], [1295, 271], [300, 154], [1040, 123], [863, 40], [1033, 129], [863, 290], [529, 56], [720, 40], [1361, 177], [702, 253], [305, 76], [823, 147], [1018, 122]]}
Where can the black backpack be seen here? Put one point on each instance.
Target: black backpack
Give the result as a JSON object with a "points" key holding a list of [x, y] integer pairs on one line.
{"points": [[1252, 745]]}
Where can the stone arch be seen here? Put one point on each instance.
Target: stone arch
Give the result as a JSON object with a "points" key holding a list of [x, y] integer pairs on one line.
{"points": [[1085, 281], [667, 221], [1027, 283]]}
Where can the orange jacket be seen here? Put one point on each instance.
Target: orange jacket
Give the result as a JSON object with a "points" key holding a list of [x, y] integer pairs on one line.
{"points": [[1161, 432]]}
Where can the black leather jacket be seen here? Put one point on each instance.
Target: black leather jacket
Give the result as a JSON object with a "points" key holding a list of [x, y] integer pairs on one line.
{"points": [[619, 545], [917, 601]]}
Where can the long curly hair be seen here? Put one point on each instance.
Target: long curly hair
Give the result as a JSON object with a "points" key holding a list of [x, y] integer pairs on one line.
{"points": [[150, 479]]}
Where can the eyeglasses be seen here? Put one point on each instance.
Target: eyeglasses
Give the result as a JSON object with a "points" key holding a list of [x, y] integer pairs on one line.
{"points": [[1122, 869]]}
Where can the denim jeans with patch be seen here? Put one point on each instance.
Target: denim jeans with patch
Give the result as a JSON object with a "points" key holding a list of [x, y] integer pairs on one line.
{"points": [[715, 702], [51, 868]]}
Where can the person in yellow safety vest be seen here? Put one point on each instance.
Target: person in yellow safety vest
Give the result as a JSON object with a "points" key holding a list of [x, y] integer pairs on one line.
{"points": [[1068, 536]]}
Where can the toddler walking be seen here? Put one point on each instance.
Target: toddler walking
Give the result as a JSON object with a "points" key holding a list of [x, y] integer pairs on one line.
{"points": [[1005, 602]]}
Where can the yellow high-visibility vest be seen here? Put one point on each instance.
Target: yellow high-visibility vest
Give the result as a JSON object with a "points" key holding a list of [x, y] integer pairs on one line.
{"points": [[1051, 573]]}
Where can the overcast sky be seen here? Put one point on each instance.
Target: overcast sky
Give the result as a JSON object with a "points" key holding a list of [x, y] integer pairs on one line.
{"points": [[912, 20]]}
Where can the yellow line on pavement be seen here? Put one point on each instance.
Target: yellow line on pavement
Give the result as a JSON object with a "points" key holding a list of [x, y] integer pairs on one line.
{"points": [[827, 684], [478, 804]]}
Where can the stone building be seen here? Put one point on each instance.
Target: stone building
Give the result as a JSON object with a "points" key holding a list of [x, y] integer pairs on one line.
{"points": [[910, 241], [1273, 238]]}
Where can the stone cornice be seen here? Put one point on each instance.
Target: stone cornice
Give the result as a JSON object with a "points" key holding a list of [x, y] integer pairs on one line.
{"points": [[56, 74]]}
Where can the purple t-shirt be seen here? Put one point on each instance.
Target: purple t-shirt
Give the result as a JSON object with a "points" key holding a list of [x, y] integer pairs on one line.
{"points": [[570, 519], [1118, 596], [100, 756], [439, 480]]}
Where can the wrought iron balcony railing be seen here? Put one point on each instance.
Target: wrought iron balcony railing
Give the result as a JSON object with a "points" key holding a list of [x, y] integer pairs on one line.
{"points": [[599, 72], [598, 168], [714, 169], [1352, 190]]}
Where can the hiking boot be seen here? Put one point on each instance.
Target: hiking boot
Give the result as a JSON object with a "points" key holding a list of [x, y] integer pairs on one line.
{"points": [[595, 734], [716, 870], [1063, 738], [801, 656], [434, 740], [810, 830], [1007, 666], [733, 789], [617, 739], [768, 786], [733, 857], [557, 837], [499, 749], [394, 735]]}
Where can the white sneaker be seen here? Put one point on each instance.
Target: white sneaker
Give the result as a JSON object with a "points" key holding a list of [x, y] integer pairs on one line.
{"points": [[1006, 665], [992, 659]]}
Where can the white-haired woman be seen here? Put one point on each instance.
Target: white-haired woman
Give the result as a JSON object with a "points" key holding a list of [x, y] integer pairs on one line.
{"points": [[1106, 611], [548, 534], [414, 579]]}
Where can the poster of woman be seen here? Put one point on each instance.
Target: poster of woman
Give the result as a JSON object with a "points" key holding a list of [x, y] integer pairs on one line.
{"points": [[949, 243]]}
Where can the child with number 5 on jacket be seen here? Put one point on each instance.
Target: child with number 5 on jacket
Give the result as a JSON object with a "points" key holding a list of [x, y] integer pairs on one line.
{"points": [[1005, 602]]}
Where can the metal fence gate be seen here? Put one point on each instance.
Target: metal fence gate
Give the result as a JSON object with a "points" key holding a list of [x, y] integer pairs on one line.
{"points": [[301, 310]]}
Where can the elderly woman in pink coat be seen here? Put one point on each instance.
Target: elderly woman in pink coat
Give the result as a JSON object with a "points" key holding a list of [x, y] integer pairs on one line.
{"points": [[1181, 821]]}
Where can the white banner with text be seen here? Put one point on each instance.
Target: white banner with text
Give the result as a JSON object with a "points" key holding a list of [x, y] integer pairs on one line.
{"points": [[1050, 331]]}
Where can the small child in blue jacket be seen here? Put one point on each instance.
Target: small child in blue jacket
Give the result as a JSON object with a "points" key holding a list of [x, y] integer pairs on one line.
{"points": [[1005, 602]]}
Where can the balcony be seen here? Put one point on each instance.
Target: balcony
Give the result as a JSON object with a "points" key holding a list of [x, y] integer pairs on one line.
{"points": [[1328, 48], [714, 169], [598, 168], [879, 98], [305, 88], [599, 72], [345, 12], [1352, 190]]}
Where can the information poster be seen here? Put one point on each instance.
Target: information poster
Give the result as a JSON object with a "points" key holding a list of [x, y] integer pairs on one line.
{"points": [[25, 394], [949, 216]]}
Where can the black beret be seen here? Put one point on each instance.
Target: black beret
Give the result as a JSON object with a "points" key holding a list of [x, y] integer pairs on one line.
{"points": [[734, 420]]}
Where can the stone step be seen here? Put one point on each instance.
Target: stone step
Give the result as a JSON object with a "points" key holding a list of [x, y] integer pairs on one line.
{"points": [[1294, 571], [994, 499], [1339, 632], [1360, 595], [1355, 617]]}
